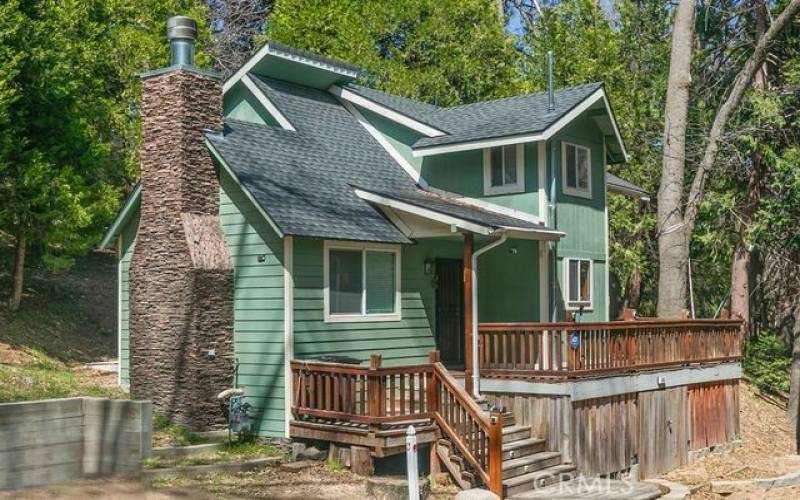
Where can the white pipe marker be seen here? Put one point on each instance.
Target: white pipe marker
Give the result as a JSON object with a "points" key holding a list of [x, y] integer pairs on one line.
{"points": [[411, 463]]}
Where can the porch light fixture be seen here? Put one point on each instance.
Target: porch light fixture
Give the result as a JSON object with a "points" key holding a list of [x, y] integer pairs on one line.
{"points": [[429, 266]]}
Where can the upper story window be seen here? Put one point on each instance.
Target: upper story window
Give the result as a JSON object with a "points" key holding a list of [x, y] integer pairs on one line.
{"points": [[503, 169], [576, 162], [578, 277], [362, 282]]}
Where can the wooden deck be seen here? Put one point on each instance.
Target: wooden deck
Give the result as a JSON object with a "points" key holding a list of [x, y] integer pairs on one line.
{"points": [[372, 406]]}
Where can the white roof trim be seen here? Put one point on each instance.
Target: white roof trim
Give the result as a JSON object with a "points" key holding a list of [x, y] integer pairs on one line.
{"points": [[267, 49], [544, 234], [423, 212], [627, 192], [396, 156], [489, 207], [515, 232], [246, 192], [616, 129], [514, 139], [267, 104], [114, 229], [382, 110]]}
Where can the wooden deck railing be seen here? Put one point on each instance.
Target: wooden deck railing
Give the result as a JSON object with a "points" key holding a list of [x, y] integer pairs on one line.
{"points": [[529, 350], [375, 395]]}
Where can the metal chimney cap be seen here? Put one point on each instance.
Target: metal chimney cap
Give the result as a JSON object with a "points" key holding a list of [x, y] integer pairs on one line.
{"points": [[181, 27]]}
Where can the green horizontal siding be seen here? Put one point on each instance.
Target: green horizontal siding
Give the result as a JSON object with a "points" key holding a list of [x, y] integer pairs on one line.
{"points": [[258, 306], [399, 342], [583, 220]]}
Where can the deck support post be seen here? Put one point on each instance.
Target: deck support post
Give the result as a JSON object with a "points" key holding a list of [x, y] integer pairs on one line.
{"points": [[468, 368]]}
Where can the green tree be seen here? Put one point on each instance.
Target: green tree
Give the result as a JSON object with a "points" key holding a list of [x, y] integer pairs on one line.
{"points": [[445, 52], [68, 144], [627, 49]]}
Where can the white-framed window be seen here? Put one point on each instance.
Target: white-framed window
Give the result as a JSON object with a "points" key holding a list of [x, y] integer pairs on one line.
{"points": [[503, 169], [576, 170], [362, 282], [579, 285]]}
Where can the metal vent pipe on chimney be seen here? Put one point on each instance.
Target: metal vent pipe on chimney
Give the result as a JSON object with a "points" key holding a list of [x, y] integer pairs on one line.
{"points": [[551, 98], [181, 32]]}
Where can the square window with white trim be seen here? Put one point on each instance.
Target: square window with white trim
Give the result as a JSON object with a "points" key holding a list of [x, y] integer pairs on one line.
{"points": [[503, 169], [361, 282], [576, 162], [578, 277]]}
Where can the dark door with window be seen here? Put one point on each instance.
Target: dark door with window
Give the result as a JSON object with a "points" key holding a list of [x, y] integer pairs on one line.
{"points": [[450, 311]]}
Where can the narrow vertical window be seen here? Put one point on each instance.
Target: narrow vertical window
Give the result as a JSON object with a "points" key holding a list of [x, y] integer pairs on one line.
{"points": [[579, 283], [577, 170]]}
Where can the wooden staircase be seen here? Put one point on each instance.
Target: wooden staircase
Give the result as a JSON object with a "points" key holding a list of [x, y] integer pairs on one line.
{"points": [[527, 464]]}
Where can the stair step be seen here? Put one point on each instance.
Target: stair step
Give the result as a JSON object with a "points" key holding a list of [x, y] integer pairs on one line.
{"points": [[531, 463], [516, 432], [509, 419], [522, 447], [457, 460], [538, 479]]}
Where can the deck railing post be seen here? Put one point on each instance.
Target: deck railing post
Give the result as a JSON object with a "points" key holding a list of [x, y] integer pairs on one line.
{"points": [[495, 471], [433, 384], [375, 389]]}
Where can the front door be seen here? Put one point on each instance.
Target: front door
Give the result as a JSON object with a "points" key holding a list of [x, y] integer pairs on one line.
{"points": [[450, 311]]}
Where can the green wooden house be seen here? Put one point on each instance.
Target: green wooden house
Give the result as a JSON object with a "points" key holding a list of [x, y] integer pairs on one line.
{"points": [[360, 222]]}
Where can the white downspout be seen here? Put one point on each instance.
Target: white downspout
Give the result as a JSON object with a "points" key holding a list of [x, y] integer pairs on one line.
{"points": [[476, 376]]}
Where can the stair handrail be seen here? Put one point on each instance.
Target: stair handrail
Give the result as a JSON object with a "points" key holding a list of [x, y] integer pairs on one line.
{"points": [[490, 423]]}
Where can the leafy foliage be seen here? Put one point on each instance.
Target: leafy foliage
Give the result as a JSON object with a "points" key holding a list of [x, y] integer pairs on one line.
{"points": [[767, 363], [441, 51]]}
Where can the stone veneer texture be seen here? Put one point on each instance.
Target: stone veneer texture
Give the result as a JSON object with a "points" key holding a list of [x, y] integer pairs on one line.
{"points": [[181, 278]]}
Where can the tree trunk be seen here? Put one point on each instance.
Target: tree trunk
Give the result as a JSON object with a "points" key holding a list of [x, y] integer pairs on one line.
{"points": [[672, 245], [742, 269], [20, 250], [633, 290], [793, 413]]}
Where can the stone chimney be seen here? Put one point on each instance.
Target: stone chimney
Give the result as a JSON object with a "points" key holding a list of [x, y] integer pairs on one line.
{"points": [[181, 278]]}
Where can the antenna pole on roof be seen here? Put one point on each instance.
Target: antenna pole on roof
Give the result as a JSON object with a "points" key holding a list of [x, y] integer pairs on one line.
{"points": [[551, 98]]}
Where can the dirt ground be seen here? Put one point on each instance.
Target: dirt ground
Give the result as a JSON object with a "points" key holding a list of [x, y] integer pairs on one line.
{"points": [[317, 482], [767, 443]]}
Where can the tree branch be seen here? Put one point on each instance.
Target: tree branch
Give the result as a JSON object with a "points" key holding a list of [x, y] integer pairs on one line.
{"points": [[728, 107]]}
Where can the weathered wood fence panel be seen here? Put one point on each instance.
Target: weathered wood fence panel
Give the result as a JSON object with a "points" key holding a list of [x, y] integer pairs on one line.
{"points": [[606, 433], [548, 416], [713, 414], [663, 431]]}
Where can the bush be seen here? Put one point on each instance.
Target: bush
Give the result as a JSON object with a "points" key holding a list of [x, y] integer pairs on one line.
{"points": [[767, 363]]}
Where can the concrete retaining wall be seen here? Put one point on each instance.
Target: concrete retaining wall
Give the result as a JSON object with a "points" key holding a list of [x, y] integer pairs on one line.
{"points": [[44, 442]]}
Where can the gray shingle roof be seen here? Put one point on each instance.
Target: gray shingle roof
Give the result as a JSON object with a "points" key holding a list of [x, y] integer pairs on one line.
{"points": [[516, 115], [329, 61], [619, 184], [305, 179], [454, 208]]}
